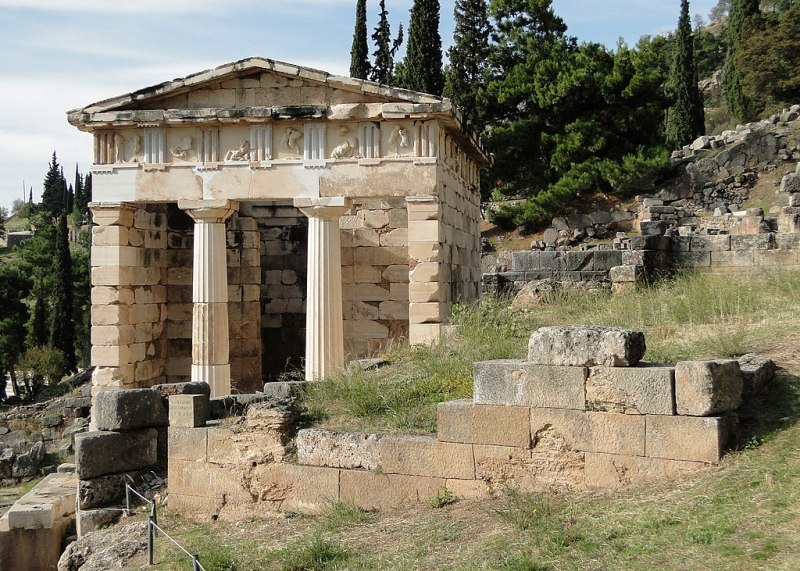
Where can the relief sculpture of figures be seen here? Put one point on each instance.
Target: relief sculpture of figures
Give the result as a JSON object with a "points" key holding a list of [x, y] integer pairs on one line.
{"points": [[240, 154], [136, 141], [181, 150], [347, 149], [119, 148], [290, 140], [399, 139]]}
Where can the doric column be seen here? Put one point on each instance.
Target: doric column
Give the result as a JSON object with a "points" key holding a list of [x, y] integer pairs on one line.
{"points": [[324, 337], [210, 343]]}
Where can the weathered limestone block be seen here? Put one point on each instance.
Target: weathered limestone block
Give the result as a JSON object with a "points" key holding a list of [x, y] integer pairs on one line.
{"points": [[102, 491], [93, 519], [588, 431], [102, 453], [302, 489], [128, 409], [525, 470], [706, 388], [694, 439], [586, 346], [319, 447], [609, 471], [424, 456], [371, 491], [464, 421], [188, 410], [516, 382], [757, 373], [631, 390]]}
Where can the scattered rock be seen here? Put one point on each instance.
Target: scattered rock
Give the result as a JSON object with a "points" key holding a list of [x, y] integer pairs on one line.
{"points": [[105, 549]]}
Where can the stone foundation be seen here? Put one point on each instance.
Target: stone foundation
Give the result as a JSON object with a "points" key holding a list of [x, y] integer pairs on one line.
{"points": [[530, 425]]}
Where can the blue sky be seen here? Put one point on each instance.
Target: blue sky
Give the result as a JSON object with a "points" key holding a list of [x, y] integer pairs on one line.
{"points": [[63, 54]]}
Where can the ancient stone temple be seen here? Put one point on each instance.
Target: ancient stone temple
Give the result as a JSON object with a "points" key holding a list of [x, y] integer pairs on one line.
{"points": [[262, 215]]}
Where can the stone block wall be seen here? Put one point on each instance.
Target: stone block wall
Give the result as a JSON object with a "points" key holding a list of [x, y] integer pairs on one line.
{"points": [[129, 297], [532, 424], [375, 273]]}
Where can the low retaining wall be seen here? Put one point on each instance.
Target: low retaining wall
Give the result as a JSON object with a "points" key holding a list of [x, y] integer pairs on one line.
{"points": [[33, 529], [578, 414]]}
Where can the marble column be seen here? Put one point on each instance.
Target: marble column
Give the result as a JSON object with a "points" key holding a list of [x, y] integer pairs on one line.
{"points": [[210, 342], [324, 336]]}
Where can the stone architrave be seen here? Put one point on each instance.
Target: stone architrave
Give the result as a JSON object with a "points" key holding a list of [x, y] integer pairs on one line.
{"points": [[324, 320], [210, 342]]}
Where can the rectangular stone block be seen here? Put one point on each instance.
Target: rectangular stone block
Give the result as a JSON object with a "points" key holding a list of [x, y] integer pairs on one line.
{"points": [[423, 292], [188, 411], [516, 382], [588, 431], [455, 422], [319, 447], [427, 312], [586, 346], [424, 231], [187, 443], [128, 409], [707, 388], [302, 489], [734, 258], [610, 471], [694, 439], [424, 456], [370, 491], [631, 390], [101, 453]]}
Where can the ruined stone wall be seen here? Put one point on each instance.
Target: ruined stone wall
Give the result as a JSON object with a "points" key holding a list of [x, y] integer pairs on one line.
{"points": [[374, 274], [580, 413]]}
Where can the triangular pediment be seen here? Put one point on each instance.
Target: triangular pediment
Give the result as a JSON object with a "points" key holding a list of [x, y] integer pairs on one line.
{"points": [[256, 82]]}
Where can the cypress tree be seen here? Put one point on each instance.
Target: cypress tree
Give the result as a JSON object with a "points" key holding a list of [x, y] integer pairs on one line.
{"points": [[738, 103], [53, 202], [464, 81], [685, 119], [62, 326], [423, 62], [38, 333], [359, 53], [383, 68]]}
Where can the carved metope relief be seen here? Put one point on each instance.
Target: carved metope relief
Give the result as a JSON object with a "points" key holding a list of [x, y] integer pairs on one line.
{"points": [[314, 142], [208, 145], [399, 141], [240, 153], [154, 145], [181, 150], [370, 139], [425, 138], [347, 149], [261, 143], [291, 141]]}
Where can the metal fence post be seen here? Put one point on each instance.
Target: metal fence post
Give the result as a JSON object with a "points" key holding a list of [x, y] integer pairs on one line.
{"points": [[150, 534], [127, 500], [196, 563]]}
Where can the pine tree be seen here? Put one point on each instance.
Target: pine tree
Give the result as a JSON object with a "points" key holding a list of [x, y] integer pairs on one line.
{"points": [[53, 194], [62, 326], [464, 81], [685, 119], [423, 62], [359, 53], [385, 48], [738, 103]]}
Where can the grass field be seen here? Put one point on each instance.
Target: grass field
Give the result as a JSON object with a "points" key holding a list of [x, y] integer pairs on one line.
{"points": [[742, 514]]}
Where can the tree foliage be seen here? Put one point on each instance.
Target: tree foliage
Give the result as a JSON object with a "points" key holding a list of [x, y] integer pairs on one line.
{"points": [[464, 79], [569, 119], [55, 190], [62, 325], [14, 288], [769, 60], [385, 48], [685, 117], [359, 52], [422, 69], [739, 105]]}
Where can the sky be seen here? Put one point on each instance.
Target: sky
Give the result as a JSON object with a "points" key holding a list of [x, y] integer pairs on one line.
{"points": [[65, 54]]}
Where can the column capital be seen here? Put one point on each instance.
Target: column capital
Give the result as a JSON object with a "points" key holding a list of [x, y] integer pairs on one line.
{"points": [[209, 211], [112, 213], [328, 208]]}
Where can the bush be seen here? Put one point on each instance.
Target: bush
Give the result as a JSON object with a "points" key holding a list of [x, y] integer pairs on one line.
{"points": [[41, 365]]}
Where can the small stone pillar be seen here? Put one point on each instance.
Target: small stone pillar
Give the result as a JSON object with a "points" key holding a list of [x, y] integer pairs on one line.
{"points": [[210, 342], [324, 321]]}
